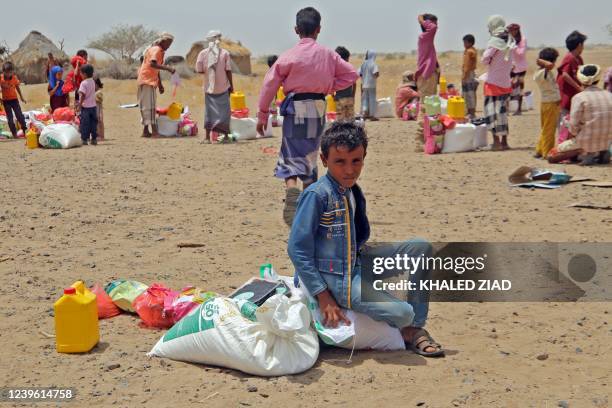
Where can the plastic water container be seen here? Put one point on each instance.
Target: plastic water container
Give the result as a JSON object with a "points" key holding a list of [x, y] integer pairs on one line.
{"points": [[174, 111], [167, 126], [456, 107], [31, 139], [237, 101], [432, 105], [442, 84], [480, 136], [459, 139], [331, 103], [76, 320]]}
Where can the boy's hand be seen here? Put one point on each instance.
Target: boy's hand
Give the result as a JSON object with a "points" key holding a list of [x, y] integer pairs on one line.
{"points": [[332, 314], [23, 101]]}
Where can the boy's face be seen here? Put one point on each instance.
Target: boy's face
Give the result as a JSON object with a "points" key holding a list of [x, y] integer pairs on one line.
{"points": [[580, 49], [466, 44], [344, 166]]}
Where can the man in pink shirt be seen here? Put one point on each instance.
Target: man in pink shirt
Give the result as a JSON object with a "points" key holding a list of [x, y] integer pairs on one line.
{"points": [[215, 63], [427, 60], [307, 73]]}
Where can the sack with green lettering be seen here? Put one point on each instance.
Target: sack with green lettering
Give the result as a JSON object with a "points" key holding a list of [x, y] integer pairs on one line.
{"points": [[279, 342]]}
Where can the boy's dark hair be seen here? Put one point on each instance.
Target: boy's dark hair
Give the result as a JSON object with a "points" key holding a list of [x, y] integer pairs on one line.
{"points": [[82, 53], [271, 60], [428, 17], [548, 54], [307, 21], [87, 70], [8, 66], [574, 40], [343, 134], [343, 53], [469, 38]]}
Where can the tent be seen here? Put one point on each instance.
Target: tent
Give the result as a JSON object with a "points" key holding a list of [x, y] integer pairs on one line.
{"points": [[241, 56], [30, 58]]}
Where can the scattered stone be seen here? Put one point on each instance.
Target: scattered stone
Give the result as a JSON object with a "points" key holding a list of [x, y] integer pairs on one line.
{"points": [[563, 404], [542, 357], [112, 366], [252, 388], [578, 350], [264, 395], [420, 403], [370, 379], [160, 239]]}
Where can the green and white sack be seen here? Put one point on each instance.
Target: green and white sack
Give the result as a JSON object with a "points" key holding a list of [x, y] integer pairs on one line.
{"points": [[279, 342]]}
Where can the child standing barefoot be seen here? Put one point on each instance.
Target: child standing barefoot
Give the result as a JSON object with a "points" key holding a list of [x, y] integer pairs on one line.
{"points": [[307, 73], [100, 107], [550, 98]]}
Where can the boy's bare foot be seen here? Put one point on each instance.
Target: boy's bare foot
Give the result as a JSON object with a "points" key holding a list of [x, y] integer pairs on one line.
{"points": [[155, 135], [517, 113], [421, 342], [373, 119]]}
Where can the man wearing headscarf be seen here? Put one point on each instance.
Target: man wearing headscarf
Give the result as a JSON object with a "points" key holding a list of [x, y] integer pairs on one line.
{"points": [[591, 117], [149, 81], [497, 88], [369, 74], [405, 93], [215, 63]]}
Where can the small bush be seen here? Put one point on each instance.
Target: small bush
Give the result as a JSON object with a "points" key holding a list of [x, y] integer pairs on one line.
{"points": [[119, 70]]}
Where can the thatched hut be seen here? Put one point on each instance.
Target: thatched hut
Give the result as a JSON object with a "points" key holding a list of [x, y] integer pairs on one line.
{"points": [[30, 58], [241, 56]]}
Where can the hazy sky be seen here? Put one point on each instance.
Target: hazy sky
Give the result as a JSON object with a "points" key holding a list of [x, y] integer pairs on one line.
{"points": [[267, 26]]}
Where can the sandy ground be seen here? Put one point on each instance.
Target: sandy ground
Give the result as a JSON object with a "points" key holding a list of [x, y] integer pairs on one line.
{"points": [[119, 209]]}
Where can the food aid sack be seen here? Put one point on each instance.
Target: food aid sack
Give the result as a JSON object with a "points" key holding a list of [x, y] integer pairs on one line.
{"points": [[150, 306], [364, 333], [189, 298], [279, 342], [459, 139], [124, 292], [243, 129], [106, 307], [60, 136], [384, 108], [268, 132]]}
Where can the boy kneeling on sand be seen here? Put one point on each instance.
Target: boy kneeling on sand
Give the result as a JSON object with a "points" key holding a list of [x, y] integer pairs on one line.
{"points": [[326, 245]]}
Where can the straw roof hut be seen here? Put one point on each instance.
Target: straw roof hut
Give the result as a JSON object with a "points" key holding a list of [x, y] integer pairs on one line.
{"points": [[30, 58], [241, 56]]}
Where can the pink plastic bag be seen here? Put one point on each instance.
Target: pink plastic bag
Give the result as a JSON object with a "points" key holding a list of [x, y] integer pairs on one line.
{"points": [[182, 303], [411, 111], [430, 139], [150, 306], [563, 130]]}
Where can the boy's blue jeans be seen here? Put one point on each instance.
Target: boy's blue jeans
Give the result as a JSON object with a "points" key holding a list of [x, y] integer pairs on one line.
{"points": [[89, 123], [381, 305]]}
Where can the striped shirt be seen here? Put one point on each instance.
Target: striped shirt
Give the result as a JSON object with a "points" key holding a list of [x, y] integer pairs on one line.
{"points": [[591, 119]]}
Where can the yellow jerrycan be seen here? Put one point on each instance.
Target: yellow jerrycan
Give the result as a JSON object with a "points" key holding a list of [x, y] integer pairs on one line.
{"points": [[331, 103], [76, 320], [280, 95], [237, 101], [174, 111], [31, 139], [456, 107], [443, 87]]}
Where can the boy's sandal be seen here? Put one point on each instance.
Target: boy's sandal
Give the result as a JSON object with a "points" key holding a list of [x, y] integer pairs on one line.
{"points": [[420, 341]]}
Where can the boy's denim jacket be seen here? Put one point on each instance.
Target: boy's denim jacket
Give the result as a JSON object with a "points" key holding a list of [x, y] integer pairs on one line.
{"points": [[326, 237]]}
